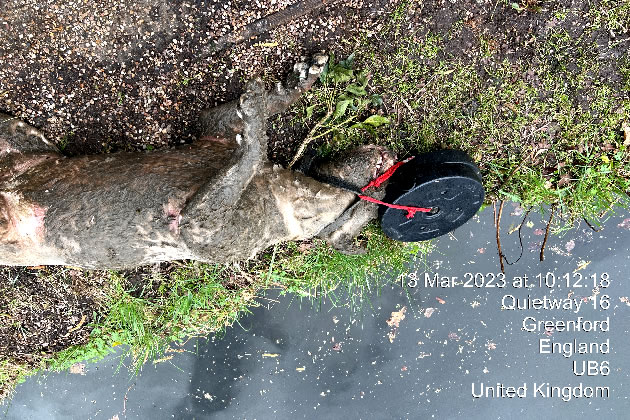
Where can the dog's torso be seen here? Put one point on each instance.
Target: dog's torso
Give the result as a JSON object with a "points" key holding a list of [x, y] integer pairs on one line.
{"points": [[128, 209]]}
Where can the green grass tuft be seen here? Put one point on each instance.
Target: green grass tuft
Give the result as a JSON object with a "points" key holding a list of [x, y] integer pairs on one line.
{"points": [[318, 271]]}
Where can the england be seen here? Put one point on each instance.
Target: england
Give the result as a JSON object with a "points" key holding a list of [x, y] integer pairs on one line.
{"points": [[568, 349]]}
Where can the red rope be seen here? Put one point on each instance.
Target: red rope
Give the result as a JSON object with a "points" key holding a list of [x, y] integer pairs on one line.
{"points": [[411, 211]]}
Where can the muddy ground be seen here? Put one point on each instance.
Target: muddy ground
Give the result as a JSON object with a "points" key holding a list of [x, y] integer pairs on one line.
{"points": [[98, 77]]}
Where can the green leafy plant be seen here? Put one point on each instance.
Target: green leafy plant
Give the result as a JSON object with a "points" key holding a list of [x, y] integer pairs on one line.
{"points": [[527, 5], [344, 105]]}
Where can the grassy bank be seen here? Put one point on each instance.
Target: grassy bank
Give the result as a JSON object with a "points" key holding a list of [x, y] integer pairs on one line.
{"points": [[546, 127]]}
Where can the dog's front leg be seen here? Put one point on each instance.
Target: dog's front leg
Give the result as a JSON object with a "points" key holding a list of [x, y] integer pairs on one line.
{"points": [[300, 81]]}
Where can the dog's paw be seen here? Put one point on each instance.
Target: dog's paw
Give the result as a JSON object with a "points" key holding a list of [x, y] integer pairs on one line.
{"points": [[303, 76], [319, 62], [307, 73]]}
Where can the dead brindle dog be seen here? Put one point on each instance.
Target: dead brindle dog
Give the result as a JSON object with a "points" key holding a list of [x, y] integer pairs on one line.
{"points": [[216, 200]]}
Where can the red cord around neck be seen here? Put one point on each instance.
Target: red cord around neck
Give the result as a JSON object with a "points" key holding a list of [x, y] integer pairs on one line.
{"points": [[411, 211]]}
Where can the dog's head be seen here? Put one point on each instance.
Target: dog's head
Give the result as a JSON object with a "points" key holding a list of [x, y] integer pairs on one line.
{"points": [[355, 168]]}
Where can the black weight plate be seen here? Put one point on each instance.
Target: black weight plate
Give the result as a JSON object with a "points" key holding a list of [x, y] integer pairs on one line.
{"points": [[440, 157], [454, 190]]}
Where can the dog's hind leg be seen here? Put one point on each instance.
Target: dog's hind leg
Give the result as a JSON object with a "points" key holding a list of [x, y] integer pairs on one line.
{"points": [[16, 136], [217, 197]]}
